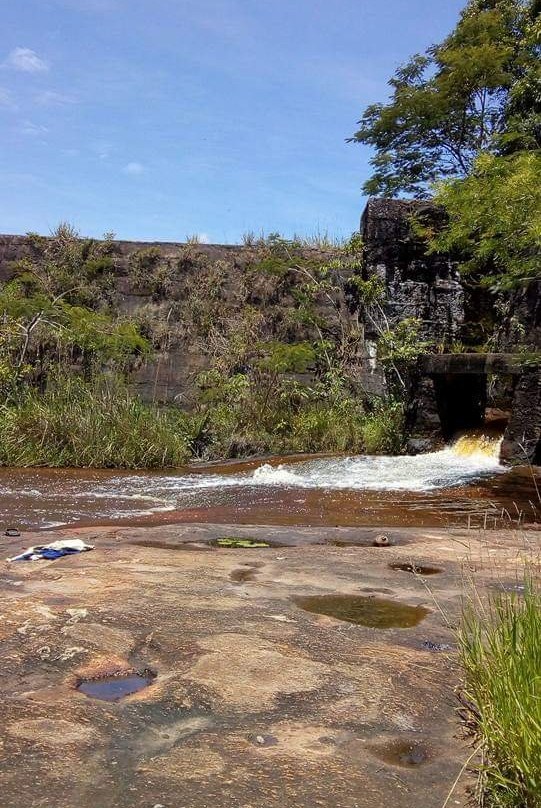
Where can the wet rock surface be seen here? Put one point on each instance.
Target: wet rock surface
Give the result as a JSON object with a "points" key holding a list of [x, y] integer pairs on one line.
{"points": [[254, 701]]}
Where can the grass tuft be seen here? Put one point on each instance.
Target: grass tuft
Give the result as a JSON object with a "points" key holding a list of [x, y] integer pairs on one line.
{"points": [[500, 647]]}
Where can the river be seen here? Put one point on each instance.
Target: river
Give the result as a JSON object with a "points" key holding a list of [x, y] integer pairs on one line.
{"points": [[460, 485]]}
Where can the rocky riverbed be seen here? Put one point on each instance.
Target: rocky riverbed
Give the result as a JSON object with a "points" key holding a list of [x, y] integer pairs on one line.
{"points": [[247, 698]]}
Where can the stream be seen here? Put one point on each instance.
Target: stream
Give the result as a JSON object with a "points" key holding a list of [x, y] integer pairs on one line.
{"points": [[459, 485]]}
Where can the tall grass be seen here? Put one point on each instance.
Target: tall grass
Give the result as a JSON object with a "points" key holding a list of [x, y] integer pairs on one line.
{"points": [[102, 424], [240, 428], [500, 647], [98, 424]]}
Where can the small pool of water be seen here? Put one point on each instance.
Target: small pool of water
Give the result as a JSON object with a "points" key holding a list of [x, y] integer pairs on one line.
{"points": [[114, 688], [364, 611], [415, 569], [401, 753]]}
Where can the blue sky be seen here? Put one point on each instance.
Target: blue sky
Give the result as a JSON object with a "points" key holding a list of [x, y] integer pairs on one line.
{"points": [[158, 119]]}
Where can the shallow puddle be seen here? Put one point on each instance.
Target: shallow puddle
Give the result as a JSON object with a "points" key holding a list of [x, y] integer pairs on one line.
{"points": [[242, 575], [113, 688], [232, 543], [416, 569], [364, 611], [164, 545], [401, 753]]}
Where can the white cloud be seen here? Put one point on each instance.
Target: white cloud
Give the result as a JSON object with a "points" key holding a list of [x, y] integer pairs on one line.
{"points": [[134, 169], [50, 98], [204, 238], [6, 99], [26, 60], [29, 128], [103, 149]]}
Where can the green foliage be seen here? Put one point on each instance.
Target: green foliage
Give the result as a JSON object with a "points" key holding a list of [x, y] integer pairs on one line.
{"points": [[38, 324], [98, 424], [495, 220], [458, 99], [383, 429], [279, 344], [254, 398], [370, 291], [327, 425], [55, 310], [500, 647], [278, 357], [81, 270], [273, 265], [402, 343], [98, 335], [247, 415]]}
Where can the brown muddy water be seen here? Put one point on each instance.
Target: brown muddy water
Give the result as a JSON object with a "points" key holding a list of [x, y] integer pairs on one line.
{"points": [[458, 486], [368, 611]]}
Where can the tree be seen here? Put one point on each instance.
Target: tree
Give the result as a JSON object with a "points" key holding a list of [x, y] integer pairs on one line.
{"points": [[494, 220], [458, 99], [46, 326]]}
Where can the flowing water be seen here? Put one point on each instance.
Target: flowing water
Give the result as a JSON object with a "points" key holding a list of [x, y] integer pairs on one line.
{"points": [[460, 483]]}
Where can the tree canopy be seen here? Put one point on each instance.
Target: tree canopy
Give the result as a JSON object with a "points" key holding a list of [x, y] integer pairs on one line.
{"points": [[477, 91], [494, 220]]}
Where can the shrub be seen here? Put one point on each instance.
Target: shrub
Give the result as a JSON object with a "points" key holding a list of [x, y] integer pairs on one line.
{"points": [[151, 272], [383, 429]]}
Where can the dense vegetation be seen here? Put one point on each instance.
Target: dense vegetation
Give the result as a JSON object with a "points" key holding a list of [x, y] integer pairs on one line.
{"points": [[501, 652], [96, 423], [278, 341]]}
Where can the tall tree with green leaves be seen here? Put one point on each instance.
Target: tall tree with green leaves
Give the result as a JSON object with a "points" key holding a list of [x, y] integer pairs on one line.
{"points": [[477, 91]]}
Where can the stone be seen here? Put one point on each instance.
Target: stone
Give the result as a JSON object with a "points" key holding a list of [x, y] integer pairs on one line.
{"points": [[522, 438], [382, 541]]}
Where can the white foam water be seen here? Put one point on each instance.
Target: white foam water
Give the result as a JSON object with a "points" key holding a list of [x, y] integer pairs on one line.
{"points": [[450, 467], [121, 495], [470, 458]]}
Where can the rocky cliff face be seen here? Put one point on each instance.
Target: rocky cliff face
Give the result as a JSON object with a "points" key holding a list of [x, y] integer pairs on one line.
{"points": [[449, 399], [190, 299], [521, 324], [418, 284]]}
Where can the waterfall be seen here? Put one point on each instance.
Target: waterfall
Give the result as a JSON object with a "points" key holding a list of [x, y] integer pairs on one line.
{"points": [[476, 443]]}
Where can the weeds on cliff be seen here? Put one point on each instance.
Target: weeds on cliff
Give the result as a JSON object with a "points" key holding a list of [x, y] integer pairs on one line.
{"points": [[98, 424], [500, 645]]}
